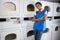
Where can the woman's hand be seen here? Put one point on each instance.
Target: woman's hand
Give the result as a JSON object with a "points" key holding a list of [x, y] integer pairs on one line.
{"points": [[33, 19], [39, 19]]}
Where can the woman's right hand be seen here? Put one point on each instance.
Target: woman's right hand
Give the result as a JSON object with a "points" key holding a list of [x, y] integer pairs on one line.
{"points": [[33, 19]]}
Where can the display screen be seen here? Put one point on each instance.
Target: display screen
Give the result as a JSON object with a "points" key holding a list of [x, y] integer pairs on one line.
{"points": [[2, 19], [56, 17], [28, 18]]}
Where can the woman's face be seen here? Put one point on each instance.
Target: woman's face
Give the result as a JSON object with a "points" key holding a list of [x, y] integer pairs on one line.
{"points": [[38, 6]]}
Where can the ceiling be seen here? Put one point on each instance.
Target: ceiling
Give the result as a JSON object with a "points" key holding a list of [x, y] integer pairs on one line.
{"points": [[58, 1]]}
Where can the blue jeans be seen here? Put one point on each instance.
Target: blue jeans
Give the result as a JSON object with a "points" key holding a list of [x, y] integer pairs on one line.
{"points": [[38, 34]]}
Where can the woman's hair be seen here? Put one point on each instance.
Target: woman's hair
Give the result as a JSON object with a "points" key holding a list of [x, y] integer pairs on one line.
{"points": [[38, 3]]}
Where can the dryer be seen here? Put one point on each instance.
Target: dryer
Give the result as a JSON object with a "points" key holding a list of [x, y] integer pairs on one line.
{"points": [[9, 8], [56, 26], [11, 34]]}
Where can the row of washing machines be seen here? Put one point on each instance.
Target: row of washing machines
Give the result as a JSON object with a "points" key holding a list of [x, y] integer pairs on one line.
{"points": [[16, 20]]}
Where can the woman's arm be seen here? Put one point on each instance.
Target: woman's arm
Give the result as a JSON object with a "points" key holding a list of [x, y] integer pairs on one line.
{"points": [[39, 19], [34, 18], [43, 17]]}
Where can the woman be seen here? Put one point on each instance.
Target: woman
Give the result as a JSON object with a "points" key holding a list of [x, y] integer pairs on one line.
{"points": [[40, 21]]}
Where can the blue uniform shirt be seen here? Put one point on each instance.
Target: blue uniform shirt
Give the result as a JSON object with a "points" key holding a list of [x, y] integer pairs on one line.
{"points": [[40, 25]]}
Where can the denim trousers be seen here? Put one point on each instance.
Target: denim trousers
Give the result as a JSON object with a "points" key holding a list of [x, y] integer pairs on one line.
{"points": [[38, 34]]}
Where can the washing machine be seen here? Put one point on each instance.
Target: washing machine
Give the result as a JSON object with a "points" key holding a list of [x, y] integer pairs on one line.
{"points": [[47, 35], [10, 26], [9, 8], [56, 9], [28, 12], [49, 6], [23, 31], [29, 30], [56, 25], [56, 31], [6, 23], [10, 29], [11, 34]]}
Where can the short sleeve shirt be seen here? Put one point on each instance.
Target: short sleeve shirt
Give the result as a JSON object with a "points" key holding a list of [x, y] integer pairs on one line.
{"points": [[40, 25]]}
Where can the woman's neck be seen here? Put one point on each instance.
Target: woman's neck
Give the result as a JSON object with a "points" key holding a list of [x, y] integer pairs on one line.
{"points": [[40, 9]]}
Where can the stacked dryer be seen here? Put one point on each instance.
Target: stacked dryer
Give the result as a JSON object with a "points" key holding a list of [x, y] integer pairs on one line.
{"points": [[47, 35], [56, 22], [10, 27], [16, 20], [29, 11]]}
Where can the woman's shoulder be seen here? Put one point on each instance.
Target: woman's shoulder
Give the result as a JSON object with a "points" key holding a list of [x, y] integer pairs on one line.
{"points": [[45, 10], [37, 11]]}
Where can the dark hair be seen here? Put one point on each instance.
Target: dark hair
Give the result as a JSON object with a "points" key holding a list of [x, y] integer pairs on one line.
{"points": [[38, 3]]}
